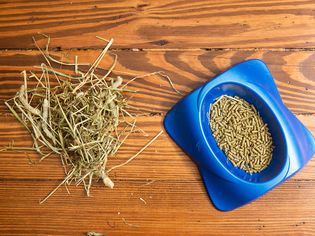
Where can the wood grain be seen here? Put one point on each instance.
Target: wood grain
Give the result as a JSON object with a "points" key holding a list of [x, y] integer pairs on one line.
{"points": [[192, 41], [293, 72], [173, 208], [163, 176], [160, 24], [163, 160]]}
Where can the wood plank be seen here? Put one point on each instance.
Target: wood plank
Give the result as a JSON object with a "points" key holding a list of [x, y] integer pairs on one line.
{"points": [[162, 161], [192, 41], [293, 72], [160, 24], [170, 205]]}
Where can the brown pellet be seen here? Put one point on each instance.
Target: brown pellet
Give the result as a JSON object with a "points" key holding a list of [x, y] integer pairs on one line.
{"points": [[241, 133]]}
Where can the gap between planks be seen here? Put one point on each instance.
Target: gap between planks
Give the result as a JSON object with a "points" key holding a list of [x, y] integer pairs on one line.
{"points": [[59, 49]]}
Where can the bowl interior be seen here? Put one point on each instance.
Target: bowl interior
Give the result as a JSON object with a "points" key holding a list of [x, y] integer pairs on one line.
{"points": [[279, 152]]}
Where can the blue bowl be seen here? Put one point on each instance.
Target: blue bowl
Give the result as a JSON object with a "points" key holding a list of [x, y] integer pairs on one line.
{"points": [[188, 124]]}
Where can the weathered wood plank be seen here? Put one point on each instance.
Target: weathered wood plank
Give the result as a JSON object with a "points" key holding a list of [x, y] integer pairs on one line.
{"points": [[175, 207], [162, 161], [191, 41], [164, 23], [293, 71]]}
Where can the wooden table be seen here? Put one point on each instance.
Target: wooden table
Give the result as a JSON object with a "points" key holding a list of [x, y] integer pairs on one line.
{"points": [[191, 41]]}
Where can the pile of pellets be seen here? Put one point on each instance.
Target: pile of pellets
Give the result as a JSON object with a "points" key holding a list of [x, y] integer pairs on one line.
{"points": [[241, 133]]}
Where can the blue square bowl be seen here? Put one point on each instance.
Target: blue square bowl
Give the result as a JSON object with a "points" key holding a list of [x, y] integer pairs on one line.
{"points": [[188, 124]]}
